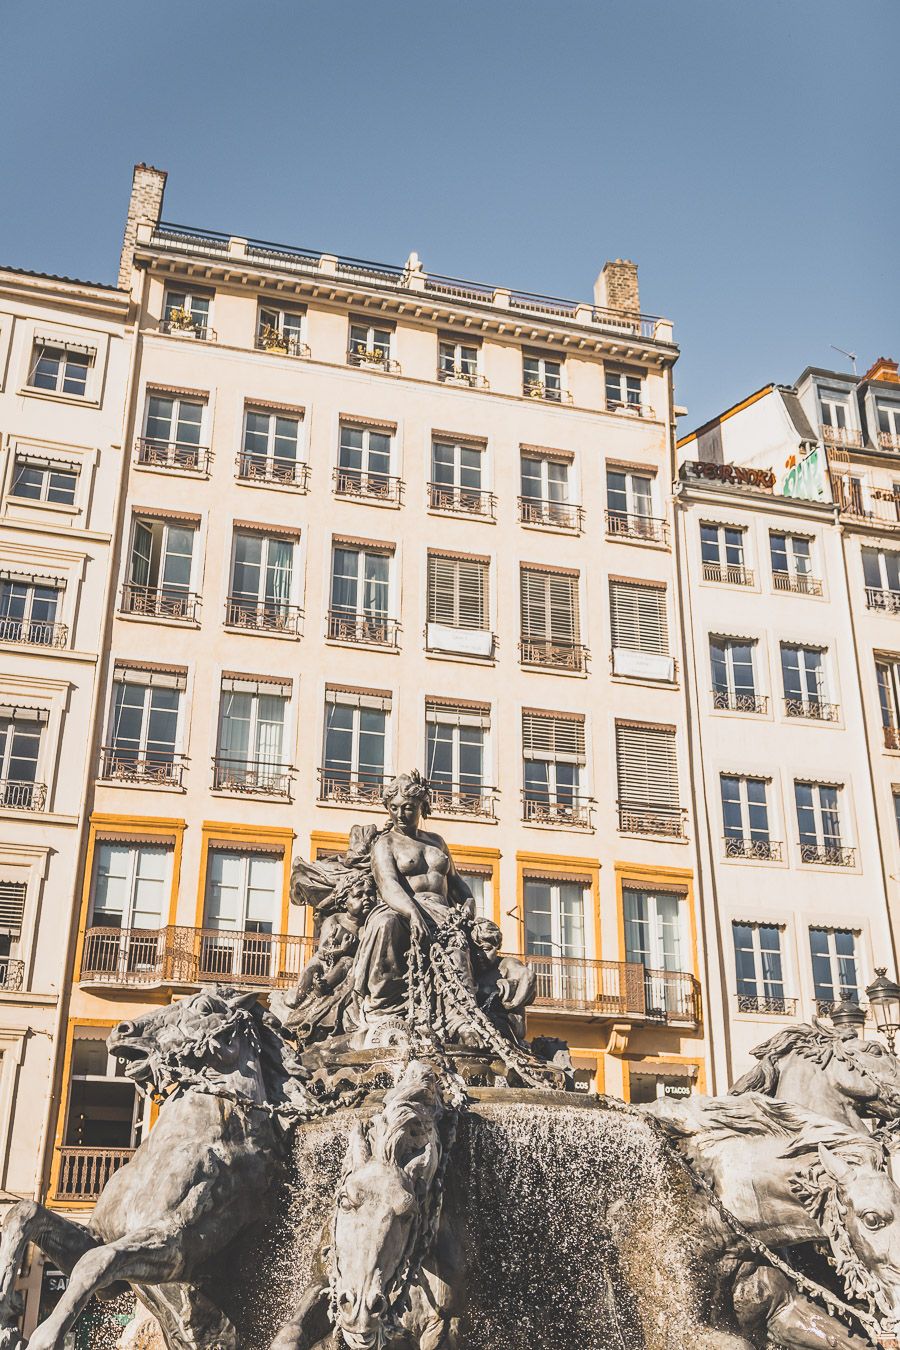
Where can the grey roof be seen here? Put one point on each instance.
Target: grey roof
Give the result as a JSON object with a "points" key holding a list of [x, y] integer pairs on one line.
{"points": [[798, 417], [846, 375], [54, 276]]}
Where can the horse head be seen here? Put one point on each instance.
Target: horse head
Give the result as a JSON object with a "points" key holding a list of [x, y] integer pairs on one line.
{"points": [[212, 1037], [388, 1204]]}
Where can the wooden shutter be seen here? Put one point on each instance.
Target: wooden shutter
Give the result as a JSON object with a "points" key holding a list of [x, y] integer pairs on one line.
{"points": [[553, 738], [550, 607], [457, 591], [638, 617], [647, 766], [12, 906]]}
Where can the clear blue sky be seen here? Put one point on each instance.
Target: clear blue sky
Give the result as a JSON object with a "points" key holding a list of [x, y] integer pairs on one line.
{"points": [[743, 152]]}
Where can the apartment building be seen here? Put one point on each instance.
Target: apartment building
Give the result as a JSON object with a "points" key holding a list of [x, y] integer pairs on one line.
{"points": [[64, 367], [378, 518]]}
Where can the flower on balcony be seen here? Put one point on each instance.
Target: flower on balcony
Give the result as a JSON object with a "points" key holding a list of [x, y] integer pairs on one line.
{"points": [[181, 320], [536, 389], [271, 339], [365, 353]]}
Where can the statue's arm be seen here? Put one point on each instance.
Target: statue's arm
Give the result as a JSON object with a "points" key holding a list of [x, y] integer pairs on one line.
{"points": [[391, 890]]}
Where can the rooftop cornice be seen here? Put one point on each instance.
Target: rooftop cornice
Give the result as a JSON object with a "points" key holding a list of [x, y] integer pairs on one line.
{"points": [[64, 291]]}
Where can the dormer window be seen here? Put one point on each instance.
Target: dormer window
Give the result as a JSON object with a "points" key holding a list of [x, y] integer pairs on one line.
{"points": [[835, 420], [889, 426]]}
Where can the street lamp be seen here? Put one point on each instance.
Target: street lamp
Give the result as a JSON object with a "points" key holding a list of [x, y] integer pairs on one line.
{"points": [[884, 999], [848, 1015]]}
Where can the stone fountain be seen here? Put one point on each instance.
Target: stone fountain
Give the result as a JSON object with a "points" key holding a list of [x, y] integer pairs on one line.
{"points": [[381, 1161]]}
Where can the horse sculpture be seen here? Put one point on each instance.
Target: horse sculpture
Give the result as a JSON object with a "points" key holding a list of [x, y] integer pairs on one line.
{"points": [[391, 1268], [197, 1181]]}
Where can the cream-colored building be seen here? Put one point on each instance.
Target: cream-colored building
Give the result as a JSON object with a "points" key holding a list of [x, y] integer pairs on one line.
{"points": [[379, 518], [64, 367]]}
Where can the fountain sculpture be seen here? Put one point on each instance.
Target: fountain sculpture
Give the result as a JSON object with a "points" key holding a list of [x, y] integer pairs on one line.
{"points": [[381, 1161]]}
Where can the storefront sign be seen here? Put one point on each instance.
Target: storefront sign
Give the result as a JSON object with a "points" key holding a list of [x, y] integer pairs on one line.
{"points": [[737, 474]]}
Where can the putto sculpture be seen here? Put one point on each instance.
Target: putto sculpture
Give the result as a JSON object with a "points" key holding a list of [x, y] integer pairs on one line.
{"points": [[384, 1149]]}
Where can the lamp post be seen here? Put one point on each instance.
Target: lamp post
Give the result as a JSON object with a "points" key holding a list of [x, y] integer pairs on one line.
{"points": [[848, 1016], [884, 999]]}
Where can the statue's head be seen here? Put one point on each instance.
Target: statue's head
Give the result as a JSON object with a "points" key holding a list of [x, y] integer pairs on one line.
{"points": [[859, 1205], [408, 799], [488, 937]]}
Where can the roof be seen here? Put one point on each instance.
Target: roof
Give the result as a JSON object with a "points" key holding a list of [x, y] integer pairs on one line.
{"points": [[794, 409], [846, 375], [729, 412], [55, 276]]}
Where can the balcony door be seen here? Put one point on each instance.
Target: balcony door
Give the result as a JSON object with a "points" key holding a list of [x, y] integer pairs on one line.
{"points": [[20, 749], [360, 583], [261, 575], [455, 756], [654, 939], [159, 578], [127, 909], [555, 938], [28, 611], [251, 738], [242, 903]]}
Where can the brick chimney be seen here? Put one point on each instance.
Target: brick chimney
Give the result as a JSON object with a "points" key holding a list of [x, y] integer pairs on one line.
{"points": [[144, 208], [617, 286], [885, 370]]}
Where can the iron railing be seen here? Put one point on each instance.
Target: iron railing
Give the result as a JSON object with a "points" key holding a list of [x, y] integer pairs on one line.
{"points": [[372, 359], [553, 655], [615, 989], [617, 405], [555, 515], [463, 799], [12, 974], [281, 344], [548, 393], [20, 795], [374, 630], [467, 377], [345, 786], [141, 766], [262, 616], [571, 812], [627, 525], [201, 331], [761, 850], [84, 1171], [184, 956], [466, 501], [34, 632], [729, 574], [799, 582], [251, 776], [767, 1003], [379, 487], [828, 855], [160, 602], [811, 708], [651, 818], [153, 453], [253, 468], [889, 601], [889, 440], [733, 700], [842, 436]]}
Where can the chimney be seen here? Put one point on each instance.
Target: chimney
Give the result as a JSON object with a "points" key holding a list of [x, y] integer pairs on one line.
{"points": [[617, 287], [884, 370], [144, 208]]}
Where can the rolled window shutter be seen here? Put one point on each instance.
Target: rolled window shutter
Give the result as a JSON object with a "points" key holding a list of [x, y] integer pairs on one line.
{"points": [[534, 605], [647, 766], [457, 592], [446, 714], [549, 607], [638, 617], [562, 592], [12, 906], [554, 739]]}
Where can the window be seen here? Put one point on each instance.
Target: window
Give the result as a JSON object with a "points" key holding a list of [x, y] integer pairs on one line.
{"points": [[144, 724], [457, 479], [364, 464], [173, 428], [458, 604], [28, 610], [459, 362], [889, 426], [553, 753], [105, 1111], [722, 555], [262, 569], [60, 369], [887, 672], [370, 344], [44, 480], [629, 507], [271, 450], [881, 573], [542, 377], [654, 939], [355, 748], [745, 816], [803, 672], [792, 564], [187, 311], [834, 410], [759, 969], [551, 627], [733, 684], [555, 938], [360, 587], [13, 895], [251, 736], [647, 773], [640, 630], [128, 903], [281, 331], [243, 892], [481, 885], [160, 568], [456, 756], [835, 966], [624, 391], [544, 496], [819, 822], [20, 751]]}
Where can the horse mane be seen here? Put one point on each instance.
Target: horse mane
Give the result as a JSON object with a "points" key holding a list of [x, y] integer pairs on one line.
{"points": [[721, 1119], [413, 1105], [815, 1042]]}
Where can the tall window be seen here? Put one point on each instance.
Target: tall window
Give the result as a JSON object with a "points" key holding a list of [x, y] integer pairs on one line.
{"points": [[360, 589], [834, 412], [456, 755], [250, 755], [629, 506], [20, 751], [887, 671], [144, 725], [173, 429], [722, 555], [545, 492], [260, 595], [60, 369], [458, 361], [554, 918], [792, 563], [551, 624], [281, 331], [370, 343], [364, 463], [759, 968], [654, 939], [481, 885], [241, 909], [623, 390], [28, 610], [160, 568], [458, 603], [881, 572], [745, 816], [819, 823], [128, 905], [733, 683], [355, 744], [835, 966], [554, 759], [271, 448], [647, 773], [187, 310], [639, 626], [44, 480], [457, 478], [542, 377], [13, 896], [889, 425], [803, 672]]}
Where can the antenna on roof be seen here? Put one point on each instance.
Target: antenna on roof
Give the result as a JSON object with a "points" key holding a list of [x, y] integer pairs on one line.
{"points": [[851, 355]]}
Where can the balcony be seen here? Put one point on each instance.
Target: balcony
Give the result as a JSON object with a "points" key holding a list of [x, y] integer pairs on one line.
{"points": [[887, 601], [372, 358], [462, 501], [161, 769], [889, 440], [651, 818], [252, 777], [827, 855], [812, 709], [187, 956], [342, 786], [178, 456], [273, 470], [568, 812], [457, 375], [842, 437], [462, 799], [159, 602], [548, 393], [262, 616], [571, 656], [891, 738], [552, 515], [84, 1171], [798, 582], [17, 795], [276, 343], [758, 850], [767, 1003], [614, 989], [373, 630], [734, 700], [179, 328], [33, 632], [629, 409], [647, 529], [728, 574], [12, 974], [364, 486]]}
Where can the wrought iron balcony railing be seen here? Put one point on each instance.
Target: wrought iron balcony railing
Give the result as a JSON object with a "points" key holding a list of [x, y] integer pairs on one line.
{"points": [[462, 799], [122, 765], [184, 956], [344, 786], [281, 344], [889, 440], [549, 393], [374, 630], [737, 700], [729, 574], [202, 332], [615, 405], [373, 358], [842, 436], [153, 453], [360, 483], [33, 632], [250, 777], [760, 850], [160, 602], [651, 818], [19, 795], [12, 974], [798, 582], [456, 375], [570, 812], [827, 855], [262, 616], [554, 515], [775, 1004], [627, 525], [553, 655], [84, 1171], [465, 501], [272, 469], [615, 989], [811, 708], [886, 600]]}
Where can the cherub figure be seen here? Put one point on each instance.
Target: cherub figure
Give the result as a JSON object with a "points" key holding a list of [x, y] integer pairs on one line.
{"points": [[325, 987], [506, 986]]}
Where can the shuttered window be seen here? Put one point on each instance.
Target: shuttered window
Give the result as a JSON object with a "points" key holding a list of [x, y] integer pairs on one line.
{"points": [[458, 591], [638, 617], [550, 607], [647, 766], [12, 906], [546, 736]]}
